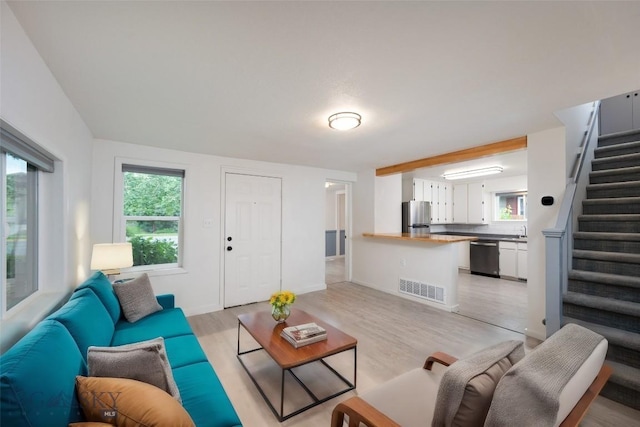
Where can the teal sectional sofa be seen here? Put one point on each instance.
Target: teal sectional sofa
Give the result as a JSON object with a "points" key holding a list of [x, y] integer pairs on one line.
{"points": [[37, 374]]}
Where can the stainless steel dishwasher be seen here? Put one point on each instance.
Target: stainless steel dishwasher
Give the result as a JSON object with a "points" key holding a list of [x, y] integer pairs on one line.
{"points": [[485, 257]]}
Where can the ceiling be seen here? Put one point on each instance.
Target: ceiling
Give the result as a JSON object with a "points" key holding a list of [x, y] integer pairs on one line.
{"points": [[513, 164], [257, 80]]}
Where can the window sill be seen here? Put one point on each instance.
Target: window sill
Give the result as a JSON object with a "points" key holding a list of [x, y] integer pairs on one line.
{"points": [[19, 323], [132, 274]]}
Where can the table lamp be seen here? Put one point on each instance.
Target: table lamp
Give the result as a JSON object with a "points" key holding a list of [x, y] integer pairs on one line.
{"points": [[111, 257]]}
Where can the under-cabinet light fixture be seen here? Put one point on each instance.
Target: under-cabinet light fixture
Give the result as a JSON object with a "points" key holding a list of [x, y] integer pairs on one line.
{"points": [[473, 173]]}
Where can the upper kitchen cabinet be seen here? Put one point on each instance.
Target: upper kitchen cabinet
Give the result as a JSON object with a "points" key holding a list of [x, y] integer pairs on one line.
{"points": [[438, 193], [470, 204], [620, 113]]}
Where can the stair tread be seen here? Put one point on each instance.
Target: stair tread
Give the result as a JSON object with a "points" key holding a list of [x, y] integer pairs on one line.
{"points": [[603, 303], [612, 201], [607, 256], [616, 171], [619, 134], [605, 235], [607, 278], [613, 335], [618, 158], [625, 375], [615, 147], [613, 185], [609, 217]]}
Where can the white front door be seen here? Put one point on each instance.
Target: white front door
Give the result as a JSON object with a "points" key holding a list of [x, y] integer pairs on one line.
{"points": [[252, 238]]}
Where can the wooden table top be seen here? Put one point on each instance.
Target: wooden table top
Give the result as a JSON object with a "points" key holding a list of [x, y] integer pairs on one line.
{"points": [[266, 332]]}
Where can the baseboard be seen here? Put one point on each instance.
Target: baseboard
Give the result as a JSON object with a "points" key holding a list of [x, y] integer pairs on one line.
{"points": [[202, 309]]}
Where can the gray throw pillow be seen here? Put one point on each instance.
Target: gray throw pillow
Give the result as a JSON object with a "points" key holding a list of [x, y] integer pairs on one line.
{"points": [[136, 298], [144, 361]]}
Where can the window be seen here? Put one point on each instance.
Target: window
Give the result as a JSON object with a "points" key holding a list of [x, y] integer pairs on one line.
{"points": [[152, 214], [20, 163], [511, 206]]}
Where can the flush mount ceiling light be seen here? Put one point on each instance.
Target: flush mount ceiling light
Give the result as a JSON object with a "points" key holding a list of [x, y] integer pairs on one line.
{"points": [[473, 173], [344, 121]]}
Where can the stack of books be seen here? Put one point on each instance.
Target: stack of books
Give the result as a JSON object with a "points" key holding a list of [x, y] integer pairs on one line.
{"points": [[305, 334]]}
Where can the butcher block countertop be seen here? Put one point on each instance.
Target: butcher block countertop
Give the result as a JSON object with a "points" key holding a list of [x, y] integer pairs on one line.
{"points": [[431, 238]]}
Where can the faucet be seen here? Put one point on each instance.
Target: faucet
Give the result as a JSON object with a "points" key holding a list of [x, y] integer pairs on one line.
{"points": [[523, 229]]}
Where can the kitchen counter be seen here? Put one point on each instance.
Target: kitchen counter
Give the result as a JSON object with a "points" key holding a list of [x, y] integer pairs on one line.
{"points": [[485, 236], [431, 238]]}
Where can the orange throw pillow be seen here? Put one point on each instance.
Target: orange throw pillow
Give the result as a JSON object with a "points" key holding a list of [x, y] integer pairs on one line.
{"points": [[129, 403]]}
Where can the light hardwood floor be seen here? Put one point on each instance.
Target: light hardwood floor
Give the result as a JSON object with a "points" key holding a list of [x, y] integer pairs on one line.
{"points": [[394, 335], [497, 301]]}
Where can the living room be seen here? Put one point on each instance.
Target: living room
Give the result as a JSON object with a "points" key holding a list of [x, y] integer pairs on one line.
{"points": [[150, 122]]}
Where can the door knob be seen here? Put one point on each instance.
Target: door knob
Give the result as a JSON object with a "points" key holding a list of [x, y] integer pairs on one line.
{"points": [[229, 248]]}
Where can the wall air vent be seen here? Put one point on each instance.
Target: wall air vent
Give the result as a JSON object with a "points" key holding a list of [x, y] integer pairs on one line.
{"points": [[422, 290]]}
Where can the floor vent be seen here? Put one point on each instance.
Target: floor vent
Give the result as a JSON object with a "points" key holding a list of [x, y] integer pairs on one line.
{"points": [[422, 290]]}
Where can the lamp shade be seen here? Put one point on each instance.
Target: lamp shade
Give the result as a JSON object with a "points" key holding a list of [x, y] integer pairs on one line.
{"points": [[111, 257]]}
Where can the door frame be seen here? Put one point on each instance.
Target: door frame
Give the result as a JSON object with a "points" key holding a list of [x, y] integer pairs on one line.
{"points": [[223, 210], [348, 224]]}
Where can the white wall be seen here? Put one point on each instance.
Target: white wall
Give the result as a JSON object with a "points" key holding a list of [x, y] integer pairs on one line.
{"points": [[198, 288], [576, 121], [547, 177], [32, 101], [388, 204]]}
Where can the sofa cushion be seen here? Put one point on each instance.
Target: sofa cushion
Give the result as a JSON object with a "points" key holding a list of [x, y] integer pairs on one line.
{"points": [[101, 286], [204, 397], [415, 408], [87, 320], [184, 350], [145, 361], [467, 386], [164, 323], [136, 298], [37, 378], [129, 403]]}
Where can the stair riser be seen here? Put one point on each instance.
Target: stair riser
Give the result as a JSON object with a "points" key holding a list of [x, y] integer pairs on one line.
{"points": [[621, 394], [624, 355], [607, 245], [616, 152], [611, 209], [623, 293], [606, 318], [608, 193], [614, 177], [614, 163], [610, 267], [610, 227]]}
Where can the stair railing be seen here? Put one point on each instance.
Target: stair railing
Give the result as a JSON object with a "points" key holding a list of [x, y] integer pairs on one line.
{"points": [[558, 240]]}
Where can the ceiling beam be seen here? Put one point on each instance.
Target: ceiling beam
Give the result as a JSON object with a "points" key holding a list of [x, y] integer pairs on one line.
{"points": [[514, 144]]}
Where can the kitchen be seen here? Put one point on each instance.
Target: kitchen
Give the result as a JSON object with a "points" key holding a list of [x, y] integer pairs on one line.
{"points": [[492, 270]]}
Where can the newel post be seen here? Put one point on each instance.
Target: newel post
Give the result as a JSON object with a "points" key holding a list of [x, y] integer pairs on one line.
{"points": [[555, 276]]}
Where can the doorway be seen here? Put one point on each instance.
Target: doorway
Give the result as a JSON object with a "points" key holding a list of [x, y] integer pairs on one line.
{"points": [[252, 238], [336, 229]]}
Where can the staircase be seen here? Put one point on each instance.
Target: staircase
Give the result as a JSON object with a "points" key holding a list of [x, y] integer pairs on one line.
{"points": [[604, 284]]}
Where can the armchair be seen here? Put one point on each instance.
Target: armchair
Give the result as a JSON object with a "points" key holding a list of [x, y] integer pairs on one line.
{"points": [[553, 385]]}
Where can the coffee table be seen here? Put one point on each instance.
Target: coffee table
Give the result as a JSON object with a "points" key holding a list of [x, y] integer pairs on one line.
{"points": [[266, 332]]}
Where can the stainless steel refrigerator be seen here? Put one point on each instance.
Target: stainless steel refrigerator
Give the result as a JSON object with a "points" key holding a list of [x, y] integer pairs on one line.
{"points": [[416, 217]]}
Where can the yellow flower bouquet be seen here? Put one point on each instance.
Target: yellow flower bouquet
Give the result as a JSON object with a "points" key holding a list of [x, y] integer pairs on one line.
{"points": [[280, 305]]}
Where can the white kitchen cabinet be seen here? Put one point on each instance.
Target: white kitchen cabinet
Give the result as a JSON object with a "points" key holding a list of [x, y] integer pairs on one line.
{"points": [[476, 206], [464, 259], [460, 208], [522, 260], [508, 259]]}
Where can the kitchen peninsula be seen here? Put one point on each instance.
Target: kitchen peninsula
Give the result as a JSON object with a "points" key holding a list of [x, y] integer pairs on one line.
{"points": [[420, 267]]}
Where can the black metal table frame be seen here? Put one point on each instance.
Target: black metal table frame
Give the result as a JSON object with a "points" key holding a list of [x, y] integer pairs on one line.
{"points": [[316, 401]]}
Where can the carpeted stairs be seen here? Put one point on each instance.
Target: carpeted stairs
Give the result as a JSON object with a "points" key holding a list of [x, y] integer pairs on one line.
{"points": [[604, 285]]}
